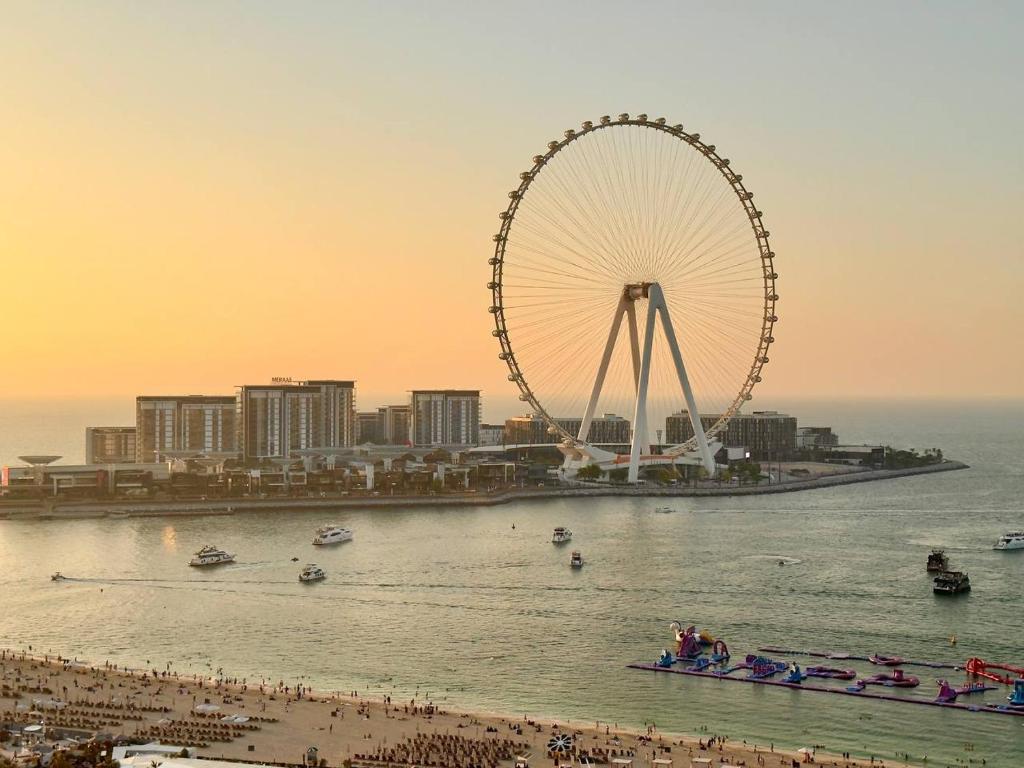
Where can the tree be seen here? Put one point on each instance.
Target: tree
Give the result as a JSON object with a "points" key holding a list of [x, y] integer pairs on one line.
{"points": [[589, 472]]}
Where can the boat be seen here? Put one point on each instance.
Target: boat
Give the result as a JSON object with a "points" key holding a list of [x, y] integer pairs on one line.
{"points": [[332, 534], [576, 559], [211, 555], [312, 572], [561, 535], [58, 576], [664, 510], [894, 680], [937, 561], [1010, 540], [885, 661], [951, 583]]}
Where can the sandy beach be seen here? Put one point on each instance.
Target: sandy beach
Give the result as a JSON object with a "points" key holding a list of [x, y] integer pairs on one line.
{"points": [[275, 722]]}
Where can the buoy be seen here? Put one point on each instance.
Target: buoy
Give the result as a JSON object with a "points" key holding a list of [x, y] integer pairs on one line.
{"points": [[952, 639]]}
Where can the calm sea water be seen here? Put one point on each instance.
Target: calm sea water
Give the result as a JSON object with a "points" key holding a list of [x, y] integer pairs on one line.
{"points": [[459, 604]]}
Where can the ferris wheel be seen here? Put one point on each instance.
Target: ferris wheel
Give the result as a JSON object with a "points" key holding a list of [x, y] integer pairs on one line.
{"points": [[633, 277]]}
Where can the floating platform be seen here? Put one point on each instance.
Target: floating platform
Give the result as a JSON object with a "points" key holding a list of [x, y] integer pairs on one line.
{"points": [[837, 656], [997, 709]]}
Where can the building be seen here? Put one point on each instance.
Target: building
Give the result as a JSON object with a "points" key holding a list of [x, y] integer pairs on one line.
{"points": [[395, 424], [109, 445], [766, 434], [368, 427], [608, 429], [283, 417], [166, 424], [492, 434], [82, 480], [812, 438], [445, 417]]}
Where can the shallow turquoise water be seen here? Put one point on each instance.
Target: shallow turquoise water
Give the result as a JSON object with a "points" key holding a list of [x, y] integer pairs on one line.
{"points": [[459, 604]]}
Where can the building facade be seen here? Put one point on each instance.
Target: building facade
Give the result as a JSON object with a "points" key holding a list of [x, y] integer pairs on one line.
{"points": [[109, 445], [445, 417], [395, 423], [812, 438], [492, 434], [368, 427], [197, 423], [279, 419], [608, 429], [766, 434]]}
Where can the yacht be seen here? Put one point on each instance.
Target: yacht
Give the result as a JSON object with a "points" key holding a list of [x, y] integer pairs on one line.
{"points": [[312, 572], [332, 534], [951, 582], [58, 576], [561, 535], [664, 510], [576, 559], [210, 555], [1011, 540]]}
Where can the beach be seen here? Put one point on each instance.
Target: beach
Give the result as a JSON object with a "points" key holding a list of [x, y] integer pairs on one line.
{"points": [[277, 721]]}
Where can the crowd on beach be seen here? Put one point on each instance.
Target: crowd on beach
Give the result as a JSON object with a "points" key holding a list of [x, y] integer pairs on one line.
{"points": [[235, 718]]}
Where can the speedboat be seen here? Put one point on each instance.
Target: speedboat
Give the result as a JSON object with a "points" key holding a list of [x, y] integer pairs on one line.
{"points": [[211, 555], [951, 582], [332, 534], [561, 535], [1010, 540], [312, 572], [664, 510], [937, 561], [58, 576], [576, 559]]}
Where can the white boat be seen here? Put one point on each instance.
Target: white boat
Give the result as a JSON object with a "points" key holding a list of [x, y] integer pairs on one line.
{"points": [[664, 510], [210, 555], [576, 559], [332, 534], [312, 572], [58, 576], [1010, 540], [561, 535]]}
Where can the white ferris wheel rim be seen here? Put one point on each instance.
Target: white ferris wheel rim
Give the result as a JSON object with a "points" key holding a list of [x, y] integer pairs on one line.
{"points": [[743, 195]]}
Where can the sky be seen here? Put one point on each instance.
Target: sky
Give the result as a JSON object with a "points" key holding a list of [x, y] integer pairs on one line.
{"points": [[198, 195]]}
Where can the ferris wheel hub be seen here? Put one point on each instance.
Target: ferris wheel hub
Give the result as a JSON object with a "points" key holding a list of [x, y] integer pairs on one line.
{"points": [[636, 291]]}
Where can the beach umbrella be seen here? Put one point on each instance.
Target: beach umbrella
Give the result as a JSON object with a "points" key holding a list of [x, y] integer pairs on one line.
{"points": [[561, 742]]}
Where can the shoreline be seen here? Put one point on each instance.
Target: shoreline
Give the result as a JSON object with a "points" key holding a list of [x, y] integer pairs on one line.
{"points": [[288, 714], [41, 510]]}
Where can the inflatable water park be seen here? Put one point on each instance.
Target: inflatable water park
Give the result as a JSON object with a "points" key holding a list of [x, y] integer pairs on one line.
{"points": [[699, 654]]}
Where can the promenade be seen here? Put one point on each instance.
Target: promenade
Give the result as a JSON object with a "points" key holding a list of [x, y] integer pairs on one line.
{"points": [[48, 510]]}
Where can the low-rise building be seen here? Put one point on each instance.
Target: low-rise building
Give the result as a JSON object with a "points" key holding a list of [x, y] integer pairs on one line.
{"points": [[812, 438], [109, 445], [608, 429], [768, 435]]}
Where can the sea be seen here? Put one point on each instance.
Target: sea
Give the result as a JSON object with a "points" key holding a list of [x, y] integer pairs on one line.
{"points": [[475, 608]]}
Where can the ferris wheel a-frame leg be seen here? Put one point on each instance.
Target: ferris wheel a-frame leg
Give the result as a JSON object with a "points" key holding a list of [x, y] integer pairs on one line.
{"points": [[602, 369], [656, 305]]}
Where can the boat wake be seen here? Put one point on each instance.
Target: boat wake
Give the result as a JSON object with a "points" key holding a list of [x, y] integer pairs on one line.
{"points": [[784, 559]]}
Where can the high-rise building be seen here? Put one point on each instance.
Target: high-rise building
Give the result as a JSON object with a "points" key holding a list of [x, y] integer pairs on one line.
{"points": [[198, 423], [109, 445], [531, 430], [767, 434], [283, 417], [446, 416], [394, 424], [492, 434]]}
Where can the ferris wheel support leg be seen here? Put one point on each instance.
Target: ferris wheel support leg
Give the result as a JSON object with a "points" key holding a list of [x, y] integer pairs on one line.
{"points": [[602, 369], [657, 297], [634, 342], [640, 413]]}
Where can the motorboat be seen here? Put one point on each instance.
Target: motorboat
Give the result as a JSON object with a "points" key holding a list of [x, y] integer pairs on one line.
{"points": [[211, 555], [937, 561], [58, 576], [312, 572], [576, 559], [332, 534], [951, 583], [664, 510], [561, 535], [1010, 540]]}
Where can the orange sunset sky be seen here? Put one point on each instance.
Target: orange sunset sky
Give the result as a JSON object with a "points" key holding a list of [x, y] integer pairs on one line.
{"points": [[199, 195]]}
